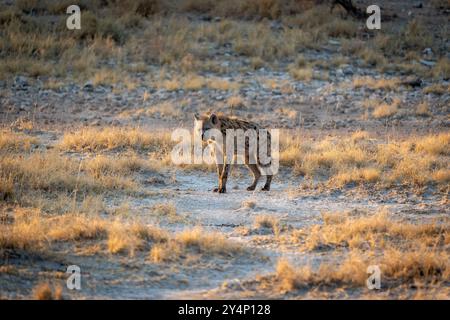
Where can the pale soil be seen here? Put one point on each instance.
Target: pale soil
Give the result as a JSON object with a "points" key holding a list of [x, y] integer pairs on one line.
{"points": [[324, 107], [121, 276]]}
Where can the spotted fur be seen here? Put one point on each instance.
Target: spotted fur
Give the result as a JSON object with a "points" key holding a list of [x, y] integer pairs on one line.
{"points": [[252, 161]]}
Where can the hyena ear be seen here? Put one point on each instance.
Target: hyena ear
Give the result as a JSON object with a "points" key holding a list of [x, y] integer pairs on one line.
{"points": [[196, 116], [214, 119]]}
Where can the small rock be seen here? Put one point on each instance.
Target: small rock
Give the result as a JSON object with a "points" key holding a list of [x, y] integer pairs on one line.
{"points": [[427, 63], [88, 86], [427, 51], [21, 83]]}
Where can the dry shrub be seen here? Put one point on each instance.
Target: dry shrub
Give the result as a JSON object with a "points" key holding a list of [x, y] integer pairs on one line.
{"points": [[375, 84], [53, 173], [44, 291], [438, 144], [213, 243], [437, 88], [406, 252], [90, 139], [267, 222], [302, 74], [356, 159], [16, 142], [35, 232], [386, 110]]}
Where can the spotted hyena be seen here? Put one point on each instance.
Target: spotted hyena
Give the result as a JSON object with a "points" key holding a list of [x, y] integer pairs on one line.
{"points": [[251, 155]]}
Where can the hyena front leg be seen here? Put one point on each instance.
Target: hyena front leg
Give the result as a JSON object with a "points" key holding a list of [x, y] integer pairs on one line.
{"points": [[219, 167], [223, 178]]}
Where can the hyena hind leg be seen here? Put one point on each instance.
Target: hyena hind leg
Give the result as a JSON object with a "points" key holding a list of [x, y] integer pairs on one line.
{"points": [[267, 185], [256, 174]]}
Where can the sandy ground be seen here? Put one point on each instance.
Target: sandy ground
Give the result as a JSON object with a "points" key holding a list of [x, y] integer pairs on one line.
{"points": [[116, 276]]}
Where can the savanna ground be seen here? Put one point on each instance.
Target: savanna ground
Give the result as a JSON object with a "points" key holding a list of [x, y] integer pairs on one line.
{"points": [[85, 171]]}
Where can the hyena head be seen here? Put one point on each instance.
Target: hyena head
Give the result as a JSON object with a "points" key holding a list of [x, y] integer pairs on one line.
{"points": [[204, 123]]}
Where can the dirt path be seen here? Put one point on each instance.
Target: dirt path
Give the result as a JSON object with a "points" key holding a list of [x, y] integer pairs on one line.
{"points": [[235, 211]]}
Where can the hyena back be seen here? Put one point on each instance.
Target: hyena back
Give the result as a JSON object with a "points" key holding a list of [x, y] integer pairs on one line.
{"points": [[251, 157]]}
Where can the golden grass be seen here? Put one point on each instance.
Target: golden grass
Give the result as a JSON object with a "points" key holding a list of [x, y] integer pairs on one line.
{"points": [[442, 69], [359, 176], [434, 144], [16, 142], [43, 291], [376, 231], [358, 159], [222, 84], [423, 109], [33, 231], [202, 241], [436, 88], [101, 165], [386, 110], [194, 83], [406, 252], [91, 139], [167, 210], [194, 241], [301, 74], [267, 222], [51, 172], [376, 84]]}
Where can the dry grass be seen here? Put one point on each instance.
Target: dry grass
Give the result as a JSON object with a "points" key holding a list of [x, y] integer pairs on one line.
{"points": [[44, 291], [193, 242], [302, 74], [167, 210], [423, 109], [386, 110], [53, 173], [406, 252], [378, 231], [35, 232], [416, 161], [267, 222], [434, 144], [222, 84], [436, 88], [90, 139], [16, 142], [202, 241], [375, 84]]}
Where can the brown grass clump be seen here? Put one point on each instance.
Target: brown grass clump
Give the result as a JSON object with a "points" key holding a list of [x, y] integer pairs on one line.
{"points": [[358, 159], [44, 291], [406, 253], [267, 222], [376, 231], [437, 88], [376, 84], [35, 232], [302, 74], [214, 243], [386, 110], [16, 142], [191, 243], [434, 144], [114, 138], [52, 173], [423, 110]]}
